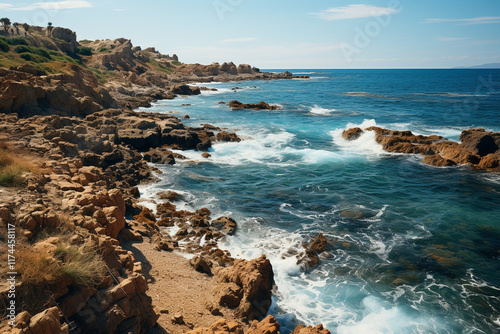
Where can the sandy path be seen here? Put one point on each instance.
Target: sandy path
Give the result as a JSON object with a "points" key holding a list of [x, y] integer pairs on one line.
{"points": [[176, 288]]}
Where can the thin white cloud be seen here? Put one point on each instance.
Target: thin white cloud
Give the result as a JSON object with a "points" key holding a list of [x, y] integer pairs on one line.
{"points": [[474, 20], [238, 40], [54, 5], [450, 39], [354, 12], [5, 6]]}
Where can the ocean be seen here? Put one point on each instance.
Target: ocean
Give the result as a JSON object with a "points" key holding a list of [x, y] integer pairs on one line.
{"points": [[414, 248]]}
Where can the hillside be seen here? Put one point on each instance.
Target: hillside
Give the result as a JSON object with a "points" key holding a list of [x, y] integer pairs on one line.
{"points": [[46, 70]]}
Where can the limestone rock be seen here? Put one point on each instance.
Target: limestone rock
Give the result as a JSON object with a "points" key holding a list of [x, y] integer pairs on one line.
{"points": [[301, 329], [256, 280]]}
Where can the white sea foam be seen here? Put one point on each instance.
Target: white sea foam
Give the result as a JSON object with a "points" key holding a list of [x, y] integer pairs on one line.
{"points": [[321, 111], [217, 92], [381, 319], [364, 145], [270, 149]]}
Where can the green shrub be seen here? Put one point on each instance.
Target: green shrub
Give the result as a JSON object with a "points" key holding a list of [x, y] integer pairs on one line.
{"points": [[103, 49], [176, 63], [33, 57], [11, 167], [4, 47], [41, 52], [10, 176], [23, 49], [18, 41], [84, 51]]}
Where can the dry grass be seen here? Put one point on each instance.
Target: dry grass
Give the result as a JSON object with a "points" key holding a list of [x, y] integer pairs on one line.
{"points": [[85, 267], [13, 165]]}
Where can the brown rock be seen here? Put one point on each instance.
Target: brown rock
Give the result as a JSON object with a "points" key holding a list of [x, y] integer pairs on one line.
{"points": [[318, 246], [115, 221], [237, 105], [256, 280], [45, 322], [146, 217], [352, 134], [226, 225], [228, 137], [301, 329], [201, 264], [267, 326]]}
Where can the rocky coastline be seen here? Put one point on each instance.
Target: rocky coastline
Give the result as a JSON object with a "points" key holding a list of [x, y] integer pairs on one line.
{"points": [[89, 256], [73, 152]]}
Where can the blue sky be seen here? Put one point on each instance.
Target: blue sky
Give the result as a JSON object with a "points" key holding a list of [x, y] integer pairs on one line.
{"points": [[287, 33]]}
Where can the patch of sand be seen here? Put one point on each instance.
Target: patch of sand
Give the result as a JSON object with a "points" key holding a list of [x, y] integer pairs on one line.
{"points": [[176, 288]]}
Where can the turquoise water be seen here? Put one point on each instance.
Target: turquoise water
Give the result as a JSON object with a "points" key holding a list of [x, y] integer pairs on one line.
{"points": [[424, 256]]}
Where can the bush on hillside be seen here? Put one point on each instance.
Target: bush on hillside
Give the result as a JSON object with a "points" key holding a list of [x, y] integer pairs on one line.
{"points": [[84, 51], [22, 49], [18, 41], [4, 47], [33, 57], [37, 54]]}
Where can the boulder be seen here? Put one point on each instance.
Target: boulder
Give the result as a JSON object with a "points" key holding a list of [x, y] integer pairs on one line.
{"points": [[228, 137], [185, 90], [318, 246], [255, 279], [45, 322], [480, 142], [201, 265], [268, 325], [237, 105], [301, 329], [352, 134], [226, 225]]}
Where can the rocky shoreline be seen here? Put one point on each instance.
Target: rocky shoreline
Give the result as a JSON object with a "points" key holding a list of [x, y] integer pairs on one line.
{"points": [[84, 244], [79, 152]]}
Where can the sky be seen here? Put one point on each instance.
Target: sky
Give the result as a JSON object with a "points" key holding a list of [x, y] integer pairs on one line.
{"points": [[292, 34]]}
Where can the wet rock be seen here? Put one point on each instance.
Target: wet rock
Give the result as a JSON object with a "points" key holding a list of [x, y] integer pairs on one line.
{"points": [[225, 136], [352, 134], [169, 195], [352, 214], [185, 90], [237, 105], [226, 225], [318, 246]]}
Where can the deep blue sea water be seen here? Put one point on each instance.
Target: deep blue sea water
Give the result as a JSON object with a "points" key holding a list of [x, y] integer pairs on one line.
{"points": [[425, 255]]}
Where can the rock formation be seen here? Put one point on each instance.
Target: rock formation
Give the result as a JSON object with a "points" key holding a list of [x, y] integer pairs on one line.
{"points": [[247, 287], [479, 148], [237, 105]]}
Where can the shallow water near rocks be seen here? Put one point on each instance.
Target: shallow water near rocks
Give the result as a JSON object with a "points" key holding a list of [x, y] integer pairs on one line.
{"points": [[413, 248]]}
